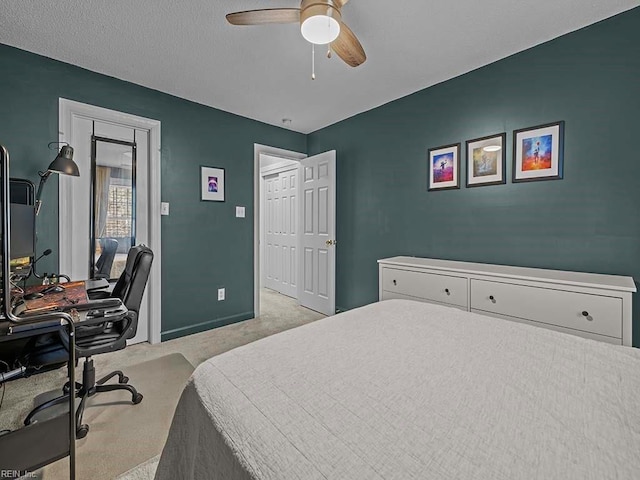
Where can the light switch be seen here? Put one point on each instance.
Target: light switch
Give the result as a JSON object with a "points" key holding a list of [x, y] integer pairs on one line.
{"points": [[164, 208], [240, 212]]}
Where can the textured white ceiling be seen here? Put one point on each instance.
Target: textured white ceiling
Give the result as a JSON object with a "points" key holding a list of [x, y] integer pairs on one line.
{"points": [[186, 48]]}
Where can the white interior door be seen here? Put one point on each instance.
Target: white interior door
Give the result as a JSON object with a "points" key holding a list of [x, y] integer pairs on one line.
{"points": [[316, 286], [270, 235], [280, 231]]}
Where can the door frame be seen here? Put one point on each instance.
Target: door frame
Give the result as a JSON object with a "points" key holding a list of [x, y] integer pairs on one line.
{"points": [[67, 110], [259, 149]]}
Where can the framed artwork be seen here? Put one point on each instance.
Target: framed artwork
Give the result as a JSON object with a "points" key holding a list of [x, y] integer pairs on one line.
{"points": [[486, 160], [212, 184], [444, 167], [538, 153]]}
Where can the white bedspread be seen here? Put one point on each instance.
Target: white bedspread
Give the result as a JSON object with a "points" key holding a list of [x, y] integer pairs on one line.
{"points": [[405, 390]]}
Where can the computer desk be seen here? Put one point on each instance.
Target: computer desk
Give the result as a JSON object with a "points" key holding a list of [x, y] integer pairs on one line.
{"points": [[42, 315], [33, 446], [43, 442], [73, 299]]}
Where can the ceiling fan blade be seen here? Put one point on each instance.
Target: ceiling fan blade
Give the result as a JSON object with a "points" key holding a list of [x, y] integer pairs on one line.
{"points": [[263, 17], [348, 47]]}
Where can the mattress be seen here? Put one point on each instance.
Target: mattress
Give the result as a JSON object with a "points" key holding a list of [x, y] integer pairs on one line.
{"points": [[408, 390]]}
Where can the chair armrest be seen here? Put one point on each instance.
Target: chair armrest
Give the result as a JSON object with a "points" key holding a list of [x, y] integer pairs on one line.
{"points": [[96, 326], [114, 318], [93, 327], [95, 304], [97, 319]]}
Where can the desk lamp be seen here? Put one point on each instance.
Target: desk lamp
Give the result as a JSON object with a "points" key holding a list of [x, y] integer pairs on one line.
{"points": [[62, 164]]}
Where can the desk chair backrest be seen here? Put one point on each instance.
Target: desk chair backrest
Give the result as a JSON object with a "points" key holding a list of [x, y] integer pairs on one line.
{"points": [[130, 286], [105, 261]]}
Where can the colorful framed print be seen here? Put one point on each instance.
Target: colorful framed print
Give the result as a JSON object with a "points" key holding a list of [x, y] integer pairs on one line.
{"points": [[212, 184], [444, 167], [486, 160], [538, 153]]}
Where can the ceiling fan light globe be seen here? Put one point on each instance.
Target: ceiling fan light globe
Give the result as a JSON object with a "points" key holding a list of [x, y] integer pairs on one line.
{"points": [[320, 29]]}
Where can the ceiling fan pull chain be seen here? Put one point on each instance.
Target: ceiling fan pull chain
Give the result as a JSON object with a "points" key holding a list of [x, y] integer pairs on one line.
{"points": [[313, 62], [329, 50]]}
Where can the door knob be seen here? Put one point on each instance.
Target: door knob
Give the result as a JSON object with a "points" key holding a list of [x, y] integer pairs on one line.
{"points": [[328, 243]]}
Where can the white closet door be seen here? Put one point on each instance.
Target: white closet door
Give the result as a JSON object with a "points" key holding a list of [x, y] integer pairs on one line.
{"points": [[280, 232]]}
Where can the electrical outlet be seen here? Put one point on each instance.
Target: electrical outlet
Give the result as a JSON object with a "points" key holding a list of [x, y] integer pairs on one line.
{"points": [[221, 293]]}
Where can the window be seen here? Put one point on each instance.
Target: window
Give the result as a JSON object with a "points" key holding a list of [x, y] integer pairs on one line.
{"points": [[119, 211]]}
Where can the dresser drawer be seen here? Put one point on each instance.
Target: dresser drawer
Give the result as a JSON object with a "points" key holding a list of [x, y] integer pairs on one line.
{"points": [[429, 286], [578, 311], [394, 295]]}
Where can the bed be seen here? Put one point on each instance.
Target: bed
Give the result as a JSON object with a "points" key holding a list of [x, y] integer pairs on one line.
{"points": [[407, 390]]}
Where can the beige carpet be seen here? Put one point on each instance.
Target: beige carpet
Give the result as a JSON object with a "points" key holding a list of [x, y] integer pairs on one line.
{"points": [[121, 434]]}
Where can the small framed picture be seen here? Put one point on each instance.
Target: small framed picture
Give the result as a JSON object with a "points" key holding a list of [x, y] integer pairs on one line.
{"points": [[538, 153], [486, 160], [212, 184], [444, 167]]}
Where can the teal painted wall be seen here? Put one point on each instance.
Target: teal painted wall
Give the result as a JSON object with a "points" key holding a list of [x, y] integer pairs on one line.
{"points": [[589, 221], [586, 222], [203, 245]]}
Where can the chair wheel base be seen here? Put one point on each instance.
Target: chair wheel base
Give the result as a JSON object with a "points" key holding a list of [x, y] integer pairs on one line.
{"points": [[82, 431], [137, 399]]}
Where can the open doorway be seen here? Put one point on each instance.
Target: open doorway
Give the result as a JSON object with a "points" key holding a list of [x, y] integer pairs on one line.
{"points": [[277, 213], [294, 241], [115, 202]]}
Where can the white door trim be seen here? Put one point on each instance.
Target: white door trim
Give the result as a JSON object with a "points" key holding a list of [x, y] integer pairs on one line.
{"points": [[68, 109], [278, 168], [257, 150]]}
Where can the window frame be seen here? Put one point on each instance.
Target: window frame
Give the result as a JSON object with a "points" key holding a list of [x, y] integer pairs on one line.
{"points": [[92, 189]]}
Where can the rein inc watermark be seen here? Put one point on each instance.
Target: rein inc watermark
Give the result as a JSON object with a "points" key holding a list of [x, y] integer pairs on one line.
{"points": [[5, 473]]}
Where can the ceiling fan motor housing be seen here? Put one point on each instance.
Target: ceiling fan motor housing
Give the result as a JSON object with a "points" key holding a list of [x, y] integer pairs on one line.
{"points": [[311, 8]]}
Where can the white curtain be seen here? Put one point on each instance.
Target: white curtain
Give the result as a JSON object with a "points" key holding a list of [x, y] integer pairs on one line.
{"points": [[101, 200]]}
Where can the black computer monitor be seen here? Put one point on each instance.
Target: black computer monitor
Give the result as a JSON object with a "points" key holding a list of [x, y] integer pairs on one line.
{"points": [[22, 231], [22, 226]]}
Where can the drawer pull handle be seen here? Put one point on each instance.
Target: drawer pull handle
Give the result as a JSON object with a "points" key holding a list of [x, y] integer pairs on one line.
{"points": [[395, 283], [493, 300], [446, 290]]}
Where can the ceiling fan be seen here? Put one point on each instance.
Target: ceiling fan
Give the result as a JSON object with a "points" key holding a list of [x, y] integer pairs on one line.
{"points": [[320, 23]]}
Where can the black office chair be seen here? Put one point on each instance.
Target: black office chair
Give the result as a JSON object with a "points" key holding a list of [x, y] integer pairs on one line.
{"points": [[101, 333], [105, 260]]}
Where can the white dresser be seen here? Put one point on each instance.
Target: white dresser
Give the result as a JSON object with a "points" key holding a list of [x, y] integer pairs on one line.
{"points": [[585, 304]]}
